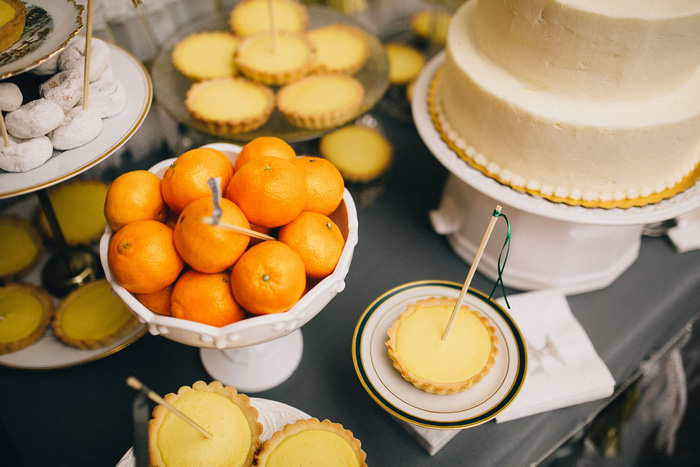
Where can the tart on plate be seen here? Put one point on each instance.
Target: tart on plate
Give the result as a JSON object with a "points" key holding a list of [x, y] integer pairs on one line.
{"points": [[206, 55], [253, 16], [91, 317], [275, 60], [416, 348], [20, 247], [230, 105], [13, 15], [25, 312], [405, 62], [360, 153], [340, 48], [312, 442], [218, 409], [320, 101], [79, 209]]}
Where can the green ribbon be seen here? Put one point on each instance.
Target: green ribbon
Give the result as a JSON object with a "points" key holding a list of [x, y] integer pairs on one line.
{"points": [[502, 266]]}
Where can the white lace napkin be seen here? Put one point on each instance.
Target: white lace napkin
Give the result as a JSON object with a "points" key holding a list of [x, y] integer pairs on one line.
{"points": [[564, 368]]}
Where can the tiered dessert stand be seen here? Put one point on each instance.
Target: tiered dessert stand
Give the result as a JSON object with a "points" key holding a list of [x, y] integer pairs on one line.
{"points": [[553, 245], [260, 352], [69, 267]]}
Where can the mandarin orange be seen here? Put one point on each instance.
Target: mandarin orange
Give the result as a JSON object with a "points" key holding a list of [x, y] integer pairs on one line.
{"points": [[143, 258], [157, 302], [134, 196], [318, 241], [264, 146], [268, 278], [269, 190], [324, 184], [205, 298], [209, 248], [187, 177]]}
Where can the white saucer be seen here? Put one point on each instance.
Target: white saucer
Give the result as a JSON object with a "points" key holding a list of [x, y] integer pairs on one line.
{"points": [[474, 406], [273, 416], [116, 131]]}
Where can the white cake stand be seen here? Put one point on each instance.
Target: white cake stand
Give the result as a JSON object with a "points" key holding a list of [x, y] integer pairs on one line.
{"points": [[553, 245], [257, 353]]}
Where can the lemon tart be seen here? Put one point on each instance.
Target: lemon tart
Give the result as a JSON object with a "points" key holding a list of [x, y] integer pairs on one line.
{"points": [[360, 153], [312, 443], [13, 15], [405, 62], [340, 48], [431, 25], [230, 105], [206, 55], [320, 101], [221, 411], [92, 316], [79, 209], [250, 17], [25, 312], [416, 348], [276, 60], [20, 247]]}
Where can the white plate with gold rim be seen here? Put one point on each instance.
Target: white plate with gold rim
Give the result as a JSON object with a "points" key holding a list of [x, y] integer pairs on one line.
{"points": [[474, 406], [273, 416]]}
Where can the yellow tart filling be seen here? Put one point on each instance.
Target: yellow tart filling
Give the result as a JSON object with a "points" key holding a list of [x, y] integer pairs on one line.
{"points": [[181, 445], [313, 448], [405, 62], [19, 246], [93, 313], [360, 153], [321, 94], [20, 314], [6, 13], [226, 100], [339, 48], [206, 55], [461, 356], [277, 60], [253, 16]]}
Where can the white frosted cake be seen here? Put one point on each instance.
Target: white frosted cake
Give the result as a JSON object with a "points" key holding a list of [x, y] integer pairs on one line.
{"points": [[591, 102]]}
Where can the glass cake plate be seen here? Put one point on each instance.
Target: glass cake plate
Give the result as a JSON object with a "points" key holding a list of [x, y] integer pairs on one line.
{"points": [[171, 86], [474, 406]]}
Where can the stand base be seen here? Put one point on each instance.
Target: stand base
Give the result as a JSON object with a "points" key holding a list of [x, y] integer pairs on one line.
{"points": [[67, 270], [545, 252], [257, 367]]}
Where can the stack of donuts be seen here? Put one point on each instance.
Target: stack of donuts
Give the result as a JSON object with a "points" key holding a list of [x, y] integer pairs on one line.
{"points": [[57, 120]]}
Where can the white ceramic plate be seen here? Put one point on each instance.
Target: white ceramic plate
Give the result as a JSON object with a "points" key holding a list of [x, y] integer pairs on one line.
{"points": [[666, 209], [273, 416], [386, 386], [49, 27], [48, 352], [116, 131]]}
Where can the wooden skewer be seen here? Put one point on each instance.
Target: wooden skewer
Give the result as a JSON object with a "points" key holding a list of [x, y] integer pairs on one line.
{"points": [[88, 46], [273, 29], [136, 384], [241, 230], [3, 129], [470, 275]]}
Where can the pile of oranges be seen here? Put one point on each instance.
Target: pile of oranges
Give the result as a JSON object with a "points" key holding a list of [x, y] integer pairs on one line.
{"points": [[166, 254]]}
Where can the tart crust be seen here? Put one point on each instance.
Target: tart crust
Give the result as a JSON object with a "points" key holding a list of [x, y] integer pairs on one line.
{"points": [[320, 102], [101, 324], [252, 16], [11, 31], [7, 316], [299, 426], [340, 48], [248, 104], [240, 400], [422, 383], [21, 247], [258, 59], [206, 55]]}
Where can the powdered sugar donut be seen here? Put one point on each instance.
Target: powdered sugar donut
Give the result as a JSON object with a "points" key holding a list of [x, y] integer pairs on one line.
{"points": [[106, 97], [64, 88], [35, 118], [25, 154], [79, 128], [73, 58], [10, 97], [47, 67]]}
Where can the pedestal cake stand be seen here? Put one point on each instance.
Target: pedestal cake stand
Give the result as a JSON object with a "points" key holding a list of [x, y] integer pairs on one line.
{"points": [[553, 245], [260, 352]]}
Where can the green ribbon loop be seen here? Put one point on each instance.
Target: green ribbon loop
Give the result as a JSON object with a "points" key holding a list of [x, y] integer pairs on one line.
{"points": [[502, 266]]}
